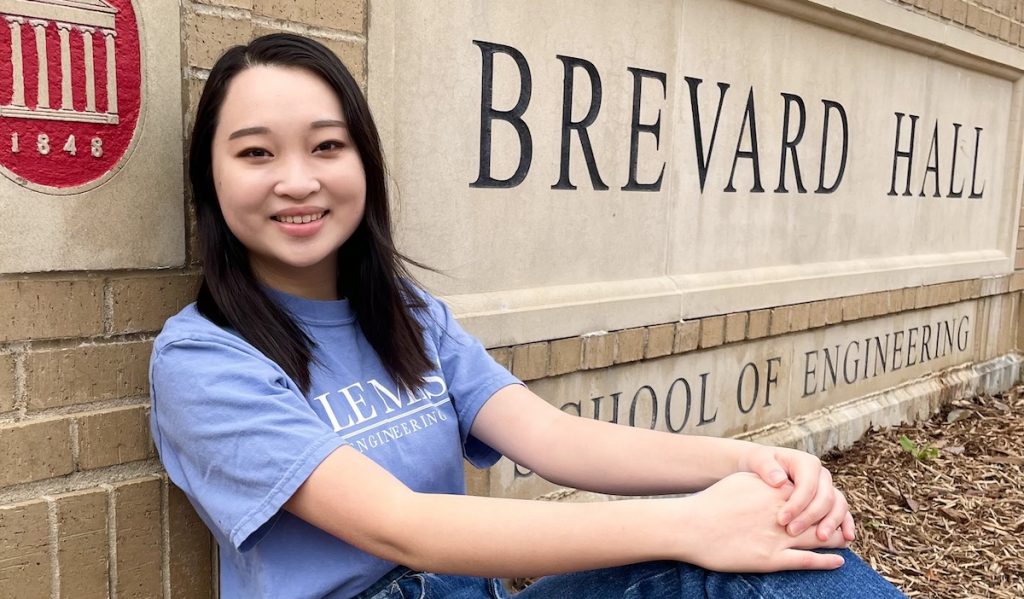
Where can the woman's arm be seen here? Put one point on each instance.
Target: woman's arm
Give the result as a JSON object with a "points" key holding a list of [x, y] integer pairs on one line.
{"points": [[609, 458], [728, 527]]}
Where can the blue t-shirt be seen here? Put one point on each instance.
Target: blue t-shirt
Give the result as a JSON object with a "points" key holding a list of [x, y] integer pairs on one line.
{"points": [[239, 437]]}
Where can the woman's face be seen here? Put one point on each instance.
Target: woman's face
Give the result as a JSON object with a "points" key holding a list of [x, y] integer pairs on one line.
{"points": [[288, 177]]}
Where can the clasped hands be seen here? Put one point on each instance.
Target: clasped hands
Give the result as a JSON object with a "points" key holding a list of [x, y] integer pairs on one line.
{"points": [[813, 500]]}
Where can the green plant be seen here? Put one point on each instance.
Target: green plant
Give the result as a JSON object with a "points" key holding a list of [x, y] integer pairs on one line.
{"points": [[919, 452]]}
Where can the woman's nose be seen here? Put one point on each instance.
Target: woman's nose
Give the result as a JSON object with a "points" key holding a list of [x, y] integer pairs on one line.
{"points": [[297, 180]]}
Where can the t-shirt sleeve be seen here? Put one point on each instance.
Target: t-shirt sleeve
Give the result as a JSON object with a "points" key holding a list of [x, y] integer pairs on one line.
{"points": [[472, 377], [234, 433]]}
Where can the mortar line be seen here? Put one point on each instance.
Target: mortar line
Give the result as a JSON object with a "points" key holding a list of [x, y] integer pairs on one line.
{"points": [[51, 517], [20, 384], [111, 542], [165, 536], [108, 308]]}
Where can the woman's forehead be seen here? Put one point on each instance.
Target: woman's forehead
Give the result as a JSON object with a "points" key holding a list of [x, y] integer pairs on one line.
{"points": [[261, 95]]}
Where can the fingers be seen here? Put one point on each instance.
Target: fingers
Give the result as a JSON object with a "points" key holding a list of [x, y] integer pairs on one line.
{"points": [[849, 530], [809, 539], [836, 516], [821, 505], [806, 475], [800, 559]]}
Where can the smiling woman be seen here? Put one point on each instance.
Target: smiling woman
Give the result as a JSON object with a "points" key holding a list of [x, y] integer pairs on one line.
{"points": [[316, 406], [289, 178]]}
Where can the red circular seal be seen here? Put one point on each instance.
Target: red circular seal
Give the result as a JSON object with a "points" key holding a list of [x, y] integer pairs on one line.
{"points": [[70, 91]]}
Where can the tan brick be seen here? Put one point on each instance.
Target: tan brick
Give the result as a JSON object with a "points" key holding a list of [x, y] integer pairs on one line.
{"points": [[799, 318], [853, 307], [975, 17], [1017, 281], [834, 310], [1018, 261], [503, 356], [910, 298], [8, 384], [207, 36], [351, 53], [995, 285], [1004, 29], [712, 331], [114, 436], [1020, 238], [924, 297], [137, 535], [1016, 34], [478, 482], [296, 11], [950, 8], [34, 450], [758, 324], [817, 314], [24, 550], [598, 350], [347, 15], [93, 372], [243, 4], [82, 543], [973, 290], [629, 345], [659, 340], [50, 309], [687, 336], [566, 356], [144, 303], [735, 326], [780, 320], [530, 361], [191, 570]]}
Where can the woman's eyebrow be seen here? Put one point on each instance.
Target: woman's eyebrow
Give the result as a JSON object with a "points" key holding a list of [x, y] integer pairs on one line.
{"points": [[328, 123], [249, 131]]}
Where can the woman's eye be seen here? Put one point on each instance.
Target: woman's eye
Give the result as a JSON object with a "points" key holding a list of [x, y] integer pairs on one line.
{"points": [[253, 153], [327, 146]]}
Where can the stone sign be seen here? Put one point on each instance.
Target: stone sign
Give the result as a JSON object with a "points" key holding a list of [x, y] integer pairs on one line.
{"points": [[89, 130], [634, 164], [735, 389]]}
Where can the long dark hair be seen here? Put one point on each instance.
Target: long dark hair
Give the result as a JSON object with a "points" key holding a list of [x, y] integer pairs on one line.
{"points": [[371, 271]]}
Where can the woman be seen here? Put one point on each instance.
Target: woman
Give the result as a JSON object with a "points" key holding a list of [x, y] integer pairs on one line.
{"points": [[316, 406]]}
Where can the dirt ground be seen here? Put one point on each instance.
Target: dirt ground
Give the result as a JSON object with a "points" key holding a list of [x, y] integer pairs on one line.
{"points": [[947, 522]]}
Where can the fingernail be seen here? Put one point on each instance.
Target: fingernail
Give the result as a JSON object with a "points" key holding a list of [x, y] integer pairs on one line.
{"points": [[777, 477]]}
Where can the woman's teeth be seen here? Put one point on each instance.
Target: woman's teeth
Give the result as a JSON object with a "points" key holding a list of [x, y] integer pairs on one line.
{"points": [[297, 220]]}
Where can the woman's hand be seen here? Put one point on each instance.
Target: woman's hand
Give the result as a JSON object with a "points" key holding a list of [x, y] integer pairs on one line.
{"points": [[814, 500], [736, 520]]}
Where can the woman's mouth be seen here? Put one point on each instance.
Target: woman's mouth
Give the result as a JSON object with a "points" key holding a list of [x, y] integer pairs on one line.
{"points": [[299, 220]]}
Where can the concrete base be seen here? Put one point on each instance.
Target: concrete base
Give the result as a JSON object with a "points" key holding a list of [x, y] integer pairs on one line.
{"points": [[839, 426]]}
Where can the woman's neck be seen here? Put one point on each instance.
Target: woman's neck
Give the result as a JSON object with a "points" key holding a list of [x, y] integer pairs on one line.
{"points": [[317, 282]]}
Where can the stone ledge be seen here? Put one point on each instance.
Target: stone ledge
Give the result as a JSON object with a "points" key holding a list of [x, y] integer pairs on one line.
{"points": [[603, 349]]}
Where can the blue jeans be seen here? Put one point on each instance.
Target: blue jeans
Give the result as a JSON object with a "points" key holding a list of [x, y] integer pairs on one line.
{"points": [[648, 580]]}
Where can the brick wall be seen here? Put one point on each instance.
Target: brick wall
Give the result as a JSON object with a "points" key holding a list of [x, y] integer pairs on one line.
{"points": [[85, 509]]}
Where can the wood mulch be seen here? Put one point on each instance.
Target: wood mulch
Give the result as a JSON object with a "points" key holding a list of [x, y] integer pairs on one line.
{"points": [[945, 525]]}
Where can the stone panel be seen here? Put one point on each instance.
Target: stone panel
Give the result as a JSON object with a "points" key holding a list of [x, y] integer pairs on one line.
{"points": [[742, 387], [103, 163], [641, 167]]}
